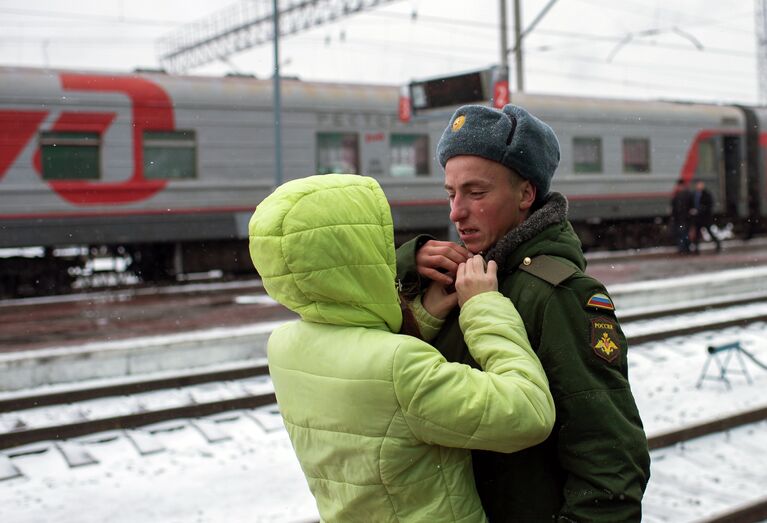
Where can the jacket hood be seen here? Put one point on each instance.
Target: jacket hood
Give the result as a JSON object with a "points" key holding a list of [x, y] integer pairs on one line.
{"points": [[324, 247], [545, 231]]}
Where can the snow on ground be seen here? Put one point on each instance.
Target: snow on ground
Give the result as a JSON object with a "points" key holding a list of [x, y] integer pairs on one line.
{"points": [[664, 376], [709, 475], [252, 477], [255, 477]]}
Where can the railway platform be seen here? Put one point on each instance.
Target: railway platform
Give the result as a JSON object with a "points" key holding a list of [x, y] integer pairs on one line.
{"points": [[131, 332], [112, 315]]}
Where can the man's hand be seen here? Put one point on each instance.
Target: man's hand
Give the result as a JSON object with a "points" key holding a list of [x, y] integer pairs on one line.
{"points": [[438, 260], [438, 300], [472, 278]]}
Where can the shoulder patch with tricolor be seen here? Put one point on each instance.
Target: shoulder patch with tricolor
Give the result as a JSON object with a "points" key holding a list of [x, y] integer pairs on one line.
{"points": [[600, 301], [605, 338]]}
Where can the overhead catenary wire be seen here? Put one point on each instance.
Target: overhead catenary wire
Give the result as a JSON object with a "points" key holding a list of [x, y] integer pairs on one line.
{"points": [[642, 10], [483, 25], [437, 51], [544, 44], [467, 53], [468, 58], [87, 16], [634, 83]]}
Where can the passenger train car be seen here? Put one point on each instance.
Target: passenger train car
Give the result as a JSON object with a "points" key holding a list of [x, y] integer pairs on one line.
{"points": [[168, 169]]}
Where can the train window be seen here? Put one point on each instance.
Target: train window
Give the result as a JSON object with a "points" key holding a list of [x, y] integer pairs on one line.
{"points": [[409, 155], [169, 155], [587, 155], [337, 153], [70, 155], [708, 159], [636, 155]]}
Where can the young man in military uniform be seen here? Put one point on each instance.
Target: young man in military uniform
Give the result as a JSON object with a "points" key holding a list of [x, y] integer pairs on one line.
{"points": [[595, 465]]}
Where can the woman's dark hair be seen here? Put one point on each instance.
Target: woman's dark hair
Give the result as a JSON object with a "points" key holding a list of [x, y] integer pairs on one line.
{"points": [[409, 323]]}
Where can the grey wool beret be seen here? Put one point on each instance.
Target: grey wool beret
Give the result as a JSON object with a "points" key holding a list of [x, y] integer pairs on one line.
{"points": [[512, 137]]}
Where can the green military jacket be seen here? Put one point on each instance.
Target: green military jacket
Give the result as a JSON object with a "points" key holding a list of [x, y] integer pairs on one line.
{"points": [[595, 465]]}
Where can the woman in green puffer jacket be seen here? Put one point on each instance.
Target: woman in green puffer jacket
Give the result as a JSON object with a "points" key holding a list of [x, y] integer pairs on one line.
{"points": [[380, 421]]}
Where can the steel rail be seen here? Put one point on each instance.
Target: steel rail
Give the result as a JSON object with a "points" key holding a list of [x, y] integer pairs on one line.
{"points": [[82, 428], [684, 331], [753, 512], [711, 305], [707, 428], [129, 387]]}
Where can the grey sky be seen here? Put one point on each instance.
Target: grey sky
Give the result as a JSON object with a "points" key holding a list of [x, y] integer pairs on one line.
{"points": [[687, 49]]}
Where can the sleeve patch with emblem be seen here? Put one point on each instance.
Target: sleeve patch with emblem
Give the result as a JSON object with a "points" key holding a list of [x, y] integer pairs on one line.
{"points": [[604, 338], [600, 301]]}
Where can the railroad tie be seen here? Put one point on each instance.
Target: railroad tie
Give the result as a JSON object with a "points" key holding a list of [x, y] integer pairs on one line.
{"points": [[7, 469], [144, 442], [74, 454], [268, 418], [210, 430]]}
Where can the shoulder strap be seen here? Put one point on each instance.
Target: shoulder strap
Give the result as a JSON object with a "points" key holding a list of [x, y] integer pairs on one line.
{"points": [[548, 268]]}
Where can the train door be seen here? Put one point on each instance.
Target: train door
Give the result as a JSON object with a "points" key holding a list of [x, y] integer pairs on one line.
{"points": [[754, 169], [732, 161]]}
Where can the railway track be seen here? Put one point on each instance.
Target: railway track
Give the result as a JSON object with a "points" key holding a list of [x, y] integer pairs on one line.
{"points": [[194, 410], [754, 511], [140, 414], [737, 317], [124, 292], [24, 436], [130, 387], [750, 511], [719, 303]]}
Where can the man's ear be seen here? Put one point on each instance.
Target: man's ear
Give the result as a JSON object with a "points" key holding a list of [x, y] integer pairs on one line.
{"points": [[529, 191]]}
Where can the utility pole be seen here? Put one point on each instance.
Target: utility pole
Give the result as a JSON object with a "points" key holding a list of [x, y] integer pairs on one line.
{"points": [[504, 38], [760, 17], [518, 54], [277, 99], [501, 81], [519, 35]]}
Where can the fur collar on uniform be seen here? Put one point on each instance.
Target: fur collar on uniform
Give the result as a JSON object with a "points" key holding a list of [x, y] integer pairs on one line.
{"points": [[554, 210]]}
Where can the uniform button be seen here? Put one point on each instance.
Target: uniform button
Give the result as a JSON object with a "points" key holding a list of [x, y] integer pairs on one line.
{"points": [[527, 261]]}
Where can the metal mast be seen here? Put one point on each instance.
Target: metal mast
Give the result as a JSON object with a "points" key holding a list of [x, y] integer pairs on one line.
{"points": [[760, 18]]}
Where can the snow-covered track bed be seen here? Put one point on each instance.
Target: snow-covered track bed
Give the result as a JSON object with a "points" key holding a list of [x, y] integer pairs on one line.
{"points": [[126, 404]]}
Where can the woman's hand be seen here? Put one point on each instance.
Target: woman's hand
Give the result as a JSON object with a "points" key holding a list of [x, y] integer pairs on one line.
{"points": [[438, 300], [472, 278]]}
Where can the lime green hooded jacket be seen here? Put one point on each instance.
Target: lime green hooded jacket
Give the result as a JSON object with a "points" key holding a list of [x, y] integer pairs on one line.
{"points": [[381, 422]]}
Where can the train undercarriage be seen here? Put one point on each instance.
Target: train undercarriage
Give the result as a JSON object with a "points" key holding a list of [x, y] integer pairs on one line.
{"points": [[38, 271]]}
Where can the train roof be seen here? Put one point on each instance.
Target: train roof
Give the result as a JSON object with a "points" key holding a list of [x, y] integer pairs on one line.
{"points": [[35, 85], [32, 84], [585, 108]]}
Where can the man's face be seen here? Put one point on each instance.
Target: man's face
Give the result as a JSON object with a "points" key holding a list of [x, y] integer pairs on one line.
{"points": [[484, 203]]}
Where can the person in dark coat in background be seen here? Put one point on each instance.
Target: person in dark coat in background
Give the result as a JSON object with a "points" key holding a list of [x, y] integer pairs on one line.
{"points": [[595, 465], [681, 207], [702, 213]]}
